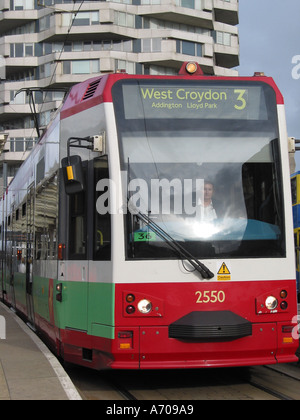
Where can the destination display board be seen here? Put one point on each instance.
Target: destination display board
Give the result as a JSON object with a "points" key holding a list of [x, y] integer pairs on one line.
{"points": [[162, 100]]}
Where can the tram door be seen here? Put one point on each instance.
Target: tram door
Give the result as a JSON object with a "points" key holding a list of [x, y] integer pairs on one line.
{"points": [[30, 253]]}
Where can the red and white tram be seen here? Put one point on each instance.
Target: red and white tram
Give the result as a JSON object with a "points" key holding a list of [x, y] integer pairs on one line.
{"points": [[151, 227]]}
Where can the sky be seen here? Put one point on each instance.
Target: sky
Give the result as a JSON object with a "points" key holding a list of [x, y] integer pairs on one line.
{"points": [[269, 33]]}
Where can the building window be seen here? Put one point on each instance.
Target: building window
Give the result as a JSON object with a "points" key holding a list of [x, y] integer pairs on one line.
{"points": [[44, 23], [128, 66], [124, 19], [151, 45], [45, 70], [80, 19], [22, 50], [22, 144], [146, 2], [21, 98], [190, 4], [19, 50], [151, 23], [22, 5], [222, 38], [159, 71], [189, 48], [19, 144], [81, 67]]}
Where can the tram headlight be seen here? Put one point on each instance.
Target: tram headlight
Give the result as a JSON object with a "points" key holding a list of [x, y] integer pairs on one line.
{"points": [[271, 303], [144, 306]]}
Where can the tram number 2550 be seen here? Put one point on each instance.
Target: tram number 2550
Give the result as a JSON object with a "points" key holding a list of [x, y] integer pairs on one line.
{"points": [[210, 296]]}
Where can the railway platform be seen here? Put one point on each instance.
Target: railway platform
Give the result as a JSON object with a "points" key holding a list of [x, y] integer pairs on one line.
{"points": [[28, 370]]}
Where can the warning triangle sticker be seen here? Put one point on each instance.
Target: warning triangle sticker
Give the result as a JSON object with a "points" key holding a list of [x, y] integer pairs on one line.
{"points": [[224, 269]]}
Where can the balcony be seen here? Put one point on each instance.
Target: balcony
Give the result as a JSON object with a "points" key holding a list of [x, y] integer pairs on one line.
{"points": [[226, 46], [3, 139], [9, 112], [175, 60], [19, 64], [179, 11], [226, 12], [227, 57], [12, 19], [172, 56]]}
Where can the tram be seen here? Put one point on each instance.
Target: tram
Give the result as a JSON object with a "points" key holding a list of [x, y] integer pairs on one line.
{"points": [[151, 226], [295, 185]]}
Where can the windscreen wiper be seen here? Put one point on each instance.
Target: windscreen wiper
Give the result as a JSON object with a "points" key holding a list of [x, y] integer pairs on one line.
{"points": [[175, 245]]}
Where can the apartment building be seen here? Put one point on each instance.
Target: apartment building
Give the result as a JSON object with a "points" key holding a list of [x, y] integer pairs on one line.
{"points": [[49, 45]]}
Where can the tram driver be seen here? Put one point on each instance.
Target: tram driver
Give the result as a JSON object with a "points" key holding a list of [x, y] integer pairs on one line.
{"points": [[210, 208]]}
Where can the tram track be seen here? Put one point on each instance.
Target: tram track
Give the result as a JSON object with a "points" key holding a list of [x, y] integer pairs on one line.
{"points": [[254, 383], [277, 395], [123, 392], [280, 381], [128, 396]]}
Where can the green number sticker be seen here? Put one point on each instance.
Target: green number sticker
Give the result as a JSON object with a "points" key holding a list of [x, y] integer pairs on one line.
{"points": [[144, 236]]}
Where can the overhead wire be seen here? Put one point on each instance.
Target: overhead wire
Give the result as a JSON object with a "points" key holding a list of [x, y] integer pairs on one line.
{"points": [[75, 12]]}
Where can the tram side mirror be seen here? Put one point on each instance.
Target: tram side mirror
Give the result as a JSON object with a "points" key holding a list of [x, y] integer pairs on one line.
{"points": [[73, 175]]}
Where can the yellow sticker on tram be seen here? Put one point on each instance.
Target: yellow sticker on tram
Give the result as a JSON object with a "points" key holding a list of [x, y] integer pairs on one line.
{"points": [[224, 274]]}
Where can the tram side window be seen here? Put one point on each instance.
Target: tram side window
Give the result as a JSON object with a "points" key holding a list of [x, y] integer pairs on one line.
{"points": [[51, 209], [77, 237], [39, 222], [261, 195], [102, 229], [45, 219]]}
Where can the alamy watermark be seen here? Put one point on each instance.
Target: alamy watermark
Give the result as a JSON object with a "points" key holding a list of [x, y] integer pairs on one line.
{"points": [[2, 328], [159, 196], [296, 329], [296, 68]]}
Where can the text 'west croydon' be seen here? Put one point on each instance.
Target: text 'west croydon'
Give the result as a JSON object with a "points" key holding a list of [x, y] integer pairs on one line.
{"points": [[183, 94]]}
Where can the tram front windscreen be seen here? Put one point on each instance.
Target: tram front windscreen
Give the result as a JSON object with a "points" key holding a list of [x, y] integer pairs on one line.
{"points": [[202, 161]]}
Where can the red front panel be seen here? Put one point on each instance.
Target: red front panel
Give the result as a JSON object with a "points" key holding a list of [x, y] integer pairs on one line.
{"points": [[271, 341], [158, 351]]}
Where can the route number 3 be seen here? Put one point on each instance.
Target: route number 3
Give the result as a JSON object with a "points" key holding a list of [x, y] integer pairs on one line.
{"points": [[242, 101], [210, 296]]}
